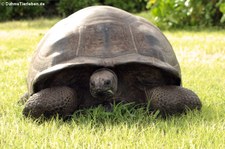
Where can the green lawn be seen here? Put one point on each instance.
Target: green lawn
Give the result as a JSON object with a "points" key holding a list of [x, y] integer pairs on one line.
{"points": [[202, 58]]}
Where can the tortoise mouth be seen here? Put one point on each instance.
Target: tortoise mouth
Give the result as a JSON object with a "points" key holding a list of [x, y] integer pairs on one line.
{"points": [[102, 94]]}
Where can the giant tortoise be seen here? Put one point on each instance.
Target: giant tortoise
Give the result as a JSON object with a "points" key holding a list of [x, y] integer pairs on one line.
{"points": [[102, 55]]}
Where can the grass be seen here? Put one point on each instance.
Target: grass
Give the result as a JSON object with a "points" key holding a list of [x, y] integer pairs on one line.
{"points": [[202, 58]]}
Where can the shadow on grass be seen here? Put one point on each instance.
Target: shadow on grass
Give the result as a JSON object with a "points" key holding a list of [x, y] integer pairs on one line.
{"points": [[130, 115], [119, 113]]}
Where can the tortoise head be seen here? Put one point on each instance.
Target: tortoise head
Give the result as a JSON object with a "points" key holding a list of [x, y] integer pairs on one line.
{"points": [[103, 84]]}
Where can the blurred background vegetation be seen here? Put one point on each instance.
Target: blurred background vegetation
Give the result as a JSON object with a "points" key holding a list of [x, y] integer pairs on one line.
{"points": [[164, 13]]}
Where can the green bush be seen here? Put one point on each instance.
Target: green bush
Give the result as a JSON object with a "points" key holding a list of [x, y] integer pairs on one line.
{"points": [[128, 5], [180, 13], [67, 7], [221, 5], [63, 7], [5, 12], [166, 13]]}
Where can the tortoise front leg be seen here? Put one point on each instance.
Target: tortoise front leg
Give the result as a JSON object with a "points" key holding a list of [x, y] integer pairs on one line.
{"points": [[51, 101], [171, 100]]}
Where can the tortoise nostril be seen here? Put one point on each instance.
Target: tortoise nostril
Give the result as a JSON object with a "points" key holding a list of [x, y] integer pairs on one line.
{"points": [[107, 82]]}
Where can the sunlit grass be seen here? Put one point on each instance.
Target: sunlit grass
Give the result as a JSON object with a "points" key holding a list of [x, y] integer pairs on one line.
{"points": [[202, 59]]}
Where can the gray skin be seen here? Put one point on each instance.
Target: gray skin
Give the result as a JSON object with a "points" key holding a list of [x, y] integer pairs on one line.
{"points": [[168, 99], [102, 55], [105, 86]]}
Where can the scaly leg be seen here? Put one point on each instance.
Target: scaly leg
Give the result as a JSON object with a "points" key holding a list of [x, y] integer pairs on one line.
{"points": [[171, 100], [51, 101]]}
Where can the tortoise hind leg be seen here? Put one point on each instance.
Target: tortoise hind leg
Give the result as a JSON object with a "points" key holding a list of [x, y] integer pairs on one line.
{"points": [[52, 101], [170, 100]]}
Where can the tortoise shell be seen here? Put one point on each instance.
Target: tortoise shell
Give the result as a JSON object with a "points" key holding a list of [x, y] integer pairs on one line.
{"points": [[100, 36]]}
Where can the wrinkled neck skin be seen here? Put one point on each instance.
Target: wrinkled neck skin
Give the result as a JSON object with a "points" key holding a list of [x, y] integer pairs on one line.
{"points": [[103, 84]]}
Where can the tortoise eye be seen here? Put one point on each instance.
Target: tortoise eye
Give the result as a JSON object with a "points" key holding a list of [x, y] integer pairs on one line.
{"points": [[92, 84]]}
